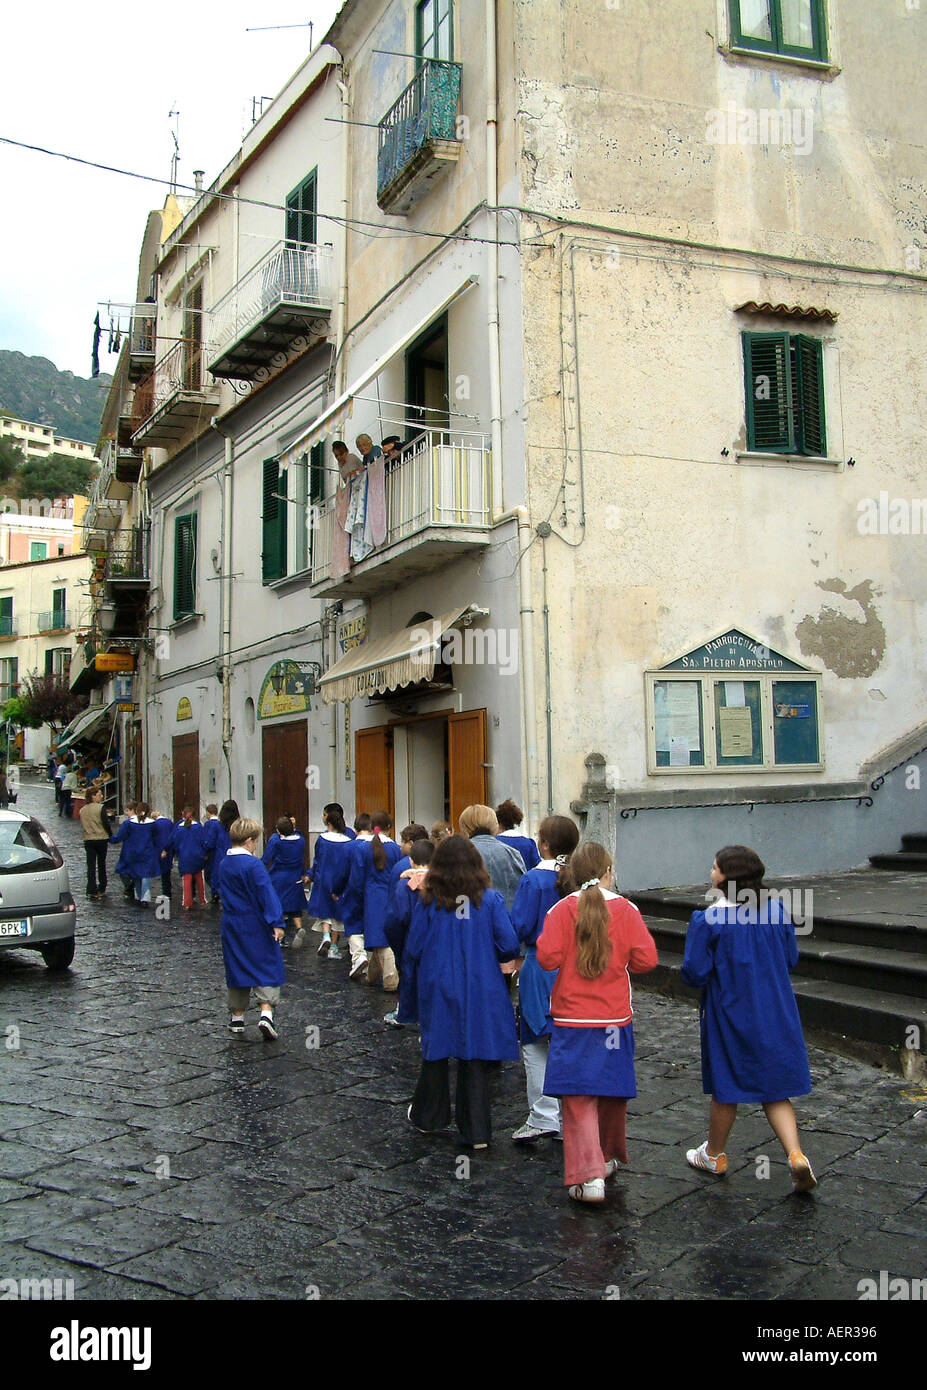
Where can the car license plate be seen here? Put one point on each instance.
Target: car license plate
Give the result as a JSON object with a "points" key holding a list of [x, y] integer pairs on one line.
{"points": [[21, 927]]}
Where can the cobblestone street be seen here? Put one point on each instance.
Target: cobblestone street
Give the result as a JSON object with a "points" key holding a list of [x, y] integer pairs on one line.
{"points": [[148, 1154]]}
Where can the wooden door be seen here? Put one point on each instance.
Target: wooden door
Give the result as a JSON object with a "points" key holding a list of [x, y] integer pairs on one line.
{"points": [[284, 768], [186, 764], [373, 770], [467, 761]]}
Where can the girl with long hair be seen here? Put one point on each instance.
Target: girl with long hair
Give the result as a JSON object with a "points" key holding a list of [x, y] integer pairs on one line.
{"points": [[594, 939], [284, 859], [331, 851], [460, 933], [740, 952], [370, 881], [221, 841]]}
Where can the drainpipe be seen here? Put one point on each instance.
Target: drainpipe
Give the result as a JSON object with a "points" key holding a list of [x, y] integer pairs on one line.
{"points": [[342, 314], [225, 597], [529, 739], [492, 250]]}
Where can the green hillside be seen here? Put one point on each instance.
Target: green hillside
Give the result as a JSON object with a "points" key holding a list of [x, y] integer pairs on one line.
{"points": [[34, 389]]}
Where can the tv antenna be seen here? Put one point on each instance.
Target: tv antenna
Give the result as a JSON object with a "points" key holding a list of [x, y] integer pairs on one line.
{"points": [[263, 28], [175, 157]]}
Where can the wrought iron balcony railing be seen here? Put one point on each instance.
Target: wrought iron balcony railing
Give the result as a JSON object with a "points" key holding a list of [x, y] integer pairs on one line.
{"points": [[418, 135], [286, 296], [170, 398]]}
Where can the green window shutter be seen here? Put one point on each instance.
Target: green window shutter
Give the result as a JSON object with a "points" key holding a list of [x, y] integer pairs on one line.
{"points": [[317, 473], [273, 532], [808, 390], [768, 393], [300, 213], [184, 566], [49, 662]]}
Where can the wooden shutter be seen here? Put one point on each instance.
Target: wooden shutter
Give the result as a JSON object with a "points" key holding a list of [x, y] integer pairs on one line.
{"points": [[317, 477], [808, 389], [184, 565], [466, 761], [273, 532], [300, 213], [373, 770], [768, 393], [50, 662]]}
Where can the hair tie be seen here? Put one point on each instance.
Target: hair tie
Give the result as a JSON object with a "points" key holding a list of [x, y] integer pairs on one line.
{"points": [[590, 883], [560, 859], [376, 830]]}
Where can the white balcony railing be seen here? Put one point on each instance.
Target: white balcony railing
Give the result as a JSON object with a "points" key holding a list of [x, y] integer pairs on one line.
{"points": [[287, 275], [443, 480]]}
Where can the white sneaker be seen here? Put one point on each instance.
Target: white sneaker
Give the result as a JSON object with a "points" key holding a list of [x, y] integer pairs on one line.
{"points": [[698, 1158], [527, 1134], [591, 1191], [299, 940], [358, 967]]}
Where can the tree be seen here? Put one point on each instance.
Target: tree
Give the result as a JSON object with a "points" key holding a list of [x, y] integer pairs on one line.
{"points": [[46, 700], [55, 476], [16, 712], [11, 457]]}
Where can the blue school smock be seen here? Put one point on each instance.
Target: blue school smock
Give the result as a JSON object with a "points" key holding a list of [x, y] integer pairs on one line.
{"points": [[526, 847], [331, 851], [284, 860], [349, 908], [535, 896], [209, 845], [223, 844], [163, 833], [373, 885], [188, 843], [591, 1062], [753, 1048], [138, 856], [250, 911], [398, 921], [463, 1003]]}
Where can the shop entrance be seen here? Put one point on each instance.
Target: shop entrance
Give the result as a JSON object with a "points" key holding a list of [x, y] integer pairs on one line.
{"points": [[284, 759], [185, 750], [423, 769]]}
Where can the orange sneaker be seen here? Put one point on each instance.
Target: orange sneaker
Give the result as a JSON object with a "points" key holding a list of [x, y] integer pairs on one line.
{"points": [[800, 1168], [700, 1158]]}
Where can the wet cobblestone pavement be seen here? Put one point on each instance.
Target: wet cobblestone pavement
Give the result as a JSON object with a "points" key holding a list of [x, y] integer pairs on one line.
{"points": [[148, 1154]]}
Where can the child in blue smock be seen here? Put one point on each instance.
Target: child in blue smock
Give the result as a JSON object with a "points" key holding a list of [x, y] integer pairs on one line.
{"points": [[189, 844], [398, 921], [284, 859], [536, 894], [460, 933], [350, 899], [121, 869], [510, 818], [210, 826], [740, 952], [329, 858], [370, 880], [163, 834], [140, 861], [252, 930], [220, 843]]}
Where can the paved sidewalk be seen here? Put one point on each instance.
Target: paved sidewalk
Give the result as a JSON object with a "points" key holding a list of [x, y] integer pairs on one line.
{"points": [[148, 1154]]}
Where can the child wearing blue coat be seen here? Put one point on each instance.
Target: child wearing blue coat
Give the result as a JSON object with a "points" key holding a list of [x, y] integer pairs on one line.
{"points": [[510, 818], [350, 899], [370, 880], [537, 893], [740, 952], [252, 930], [461, 932], [163, 834], [220, 843], [284, 859], [189, 844], [139, 859], [398, 921], [330, 857]]}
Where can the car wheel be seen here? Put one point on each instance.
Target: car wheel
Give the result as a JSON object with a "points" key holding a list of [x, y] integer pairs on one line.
{"points": [[58, 955]]}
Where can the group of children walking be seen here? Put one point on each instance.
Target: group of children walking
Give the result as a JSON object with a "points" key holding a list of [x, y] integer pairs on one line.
{"points": [[425, 918]]}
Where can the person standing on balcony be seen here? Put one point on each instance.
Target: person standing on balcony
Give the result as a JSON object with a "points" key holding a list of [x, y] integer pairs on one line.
{"points": [[375, 511], [348, 463]]}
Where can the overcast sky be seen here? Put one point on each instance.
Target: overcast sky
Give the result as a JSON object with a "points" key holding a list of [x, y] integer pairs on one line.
{"points": [[99, 81]]}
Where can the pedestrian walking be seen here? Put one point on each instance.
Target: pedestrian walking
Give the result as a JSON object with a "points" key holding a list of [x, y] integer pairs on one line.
{"points": [[122, 870], [541, 889], [210, 826], [504, 864], [398, 921], [350, 900], [163, 837], [740, 952], [460, 934], [285, 860], [510, 818], [4, 790], [61, 768], [70, 784], [188, 843], [252, 930], [593, 938], [97, 828], [370, 880], [330, 863], [141, 861], [228, 815]]}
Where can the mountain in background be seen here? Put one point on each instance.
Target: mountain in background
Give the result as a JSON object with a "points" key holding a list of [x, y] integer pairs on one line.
{"points": [[34, 389]]}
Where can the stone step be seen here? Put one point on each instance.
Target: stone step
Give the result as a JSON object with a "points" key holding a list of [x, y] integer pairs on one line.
{"points": [[916, 842], [905, 859], [869, 967], [848, 1013]]}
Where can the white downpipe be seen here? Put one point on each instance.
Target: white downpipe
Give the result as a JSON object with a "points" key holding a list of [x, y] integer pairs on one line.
{"points": [[529, 740], [492, 250], [227, 582], [342, 314]]}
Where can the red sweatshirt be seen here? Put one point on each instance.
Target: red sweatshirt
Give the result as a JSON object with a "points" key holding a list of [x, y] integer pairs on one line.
{"points": [[580, 1003]]}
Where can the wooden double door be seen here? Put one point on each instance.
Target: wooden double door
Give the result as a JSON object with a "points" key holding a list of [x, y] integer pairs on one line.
{"points": [[185, 758], [285, 774], [388, 766]]}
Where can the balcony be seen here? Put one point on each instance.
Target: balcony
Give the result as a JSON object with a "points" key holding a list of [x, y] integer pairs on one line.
{"points": [[9, 628], [128, 465], [173, 398], [142, 340], [58, 620], [281, 307], [438, 507], [418, 136]]}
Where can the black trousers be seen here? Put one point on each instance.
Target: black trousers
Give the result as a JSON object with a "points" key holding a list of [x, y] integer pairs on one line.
{"points": [[431, 1104], [95, 851]]}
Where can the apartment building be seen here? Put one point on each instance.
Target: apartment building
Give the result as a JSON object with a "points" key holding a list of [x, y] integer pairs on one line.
{"points": [[644, 308], [39, 441]]}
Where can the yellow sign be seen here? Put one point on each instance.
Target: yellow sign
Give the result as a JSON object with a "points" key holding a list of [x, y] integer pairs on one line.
{"points": [[184, 709], [114, 661], [352, 633], [284, 691]]}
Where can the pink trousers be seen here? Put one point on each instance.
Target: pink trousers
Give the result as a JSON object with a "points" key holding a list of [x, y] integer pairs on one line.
{"points": [[593, 1132], [188, 881]]}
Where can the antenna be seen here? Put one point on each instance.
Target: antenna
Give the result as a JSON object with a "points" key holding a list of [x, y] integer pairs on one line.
{"points": [[175, 157]]}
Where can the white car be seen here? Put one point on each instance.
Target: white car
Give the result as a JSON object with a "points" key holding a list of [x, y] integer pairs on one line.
{"points": [[37, 911]]}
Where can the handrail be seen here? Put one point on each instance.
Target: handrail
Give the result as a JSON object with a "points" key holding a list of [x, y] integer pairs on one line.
{"points": [[289, 273]]}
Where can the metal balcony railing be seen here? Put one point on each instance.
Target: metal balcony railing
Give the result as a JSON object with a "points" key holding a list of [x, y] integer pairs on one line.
{"points": [[426, 110], [58, 620], [128, 562], [443, 480], [289, 275], [8, 627], [179, 372], [143, 332]]}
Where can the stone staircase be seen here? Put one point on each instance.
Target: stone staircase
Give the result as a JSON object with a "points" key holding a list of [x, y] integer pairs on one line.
{"points": [[861, 980], [912, 855]]}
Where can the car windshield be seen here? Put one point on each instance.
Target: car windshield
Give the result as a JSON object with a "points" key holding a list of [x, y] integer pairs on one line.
{"points": [[26, 848]]}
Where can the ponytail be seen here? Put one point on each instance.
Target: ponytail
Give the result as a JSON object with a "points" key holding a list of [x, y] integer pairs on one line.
{"points": [[588, 864], [381, 821], [334, 814]]}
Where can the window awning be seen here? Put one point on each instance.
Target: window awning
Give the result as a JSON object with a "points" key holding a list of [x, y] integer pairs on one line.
{"points": [[332, 420], [84, 724], [397, 659]]}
